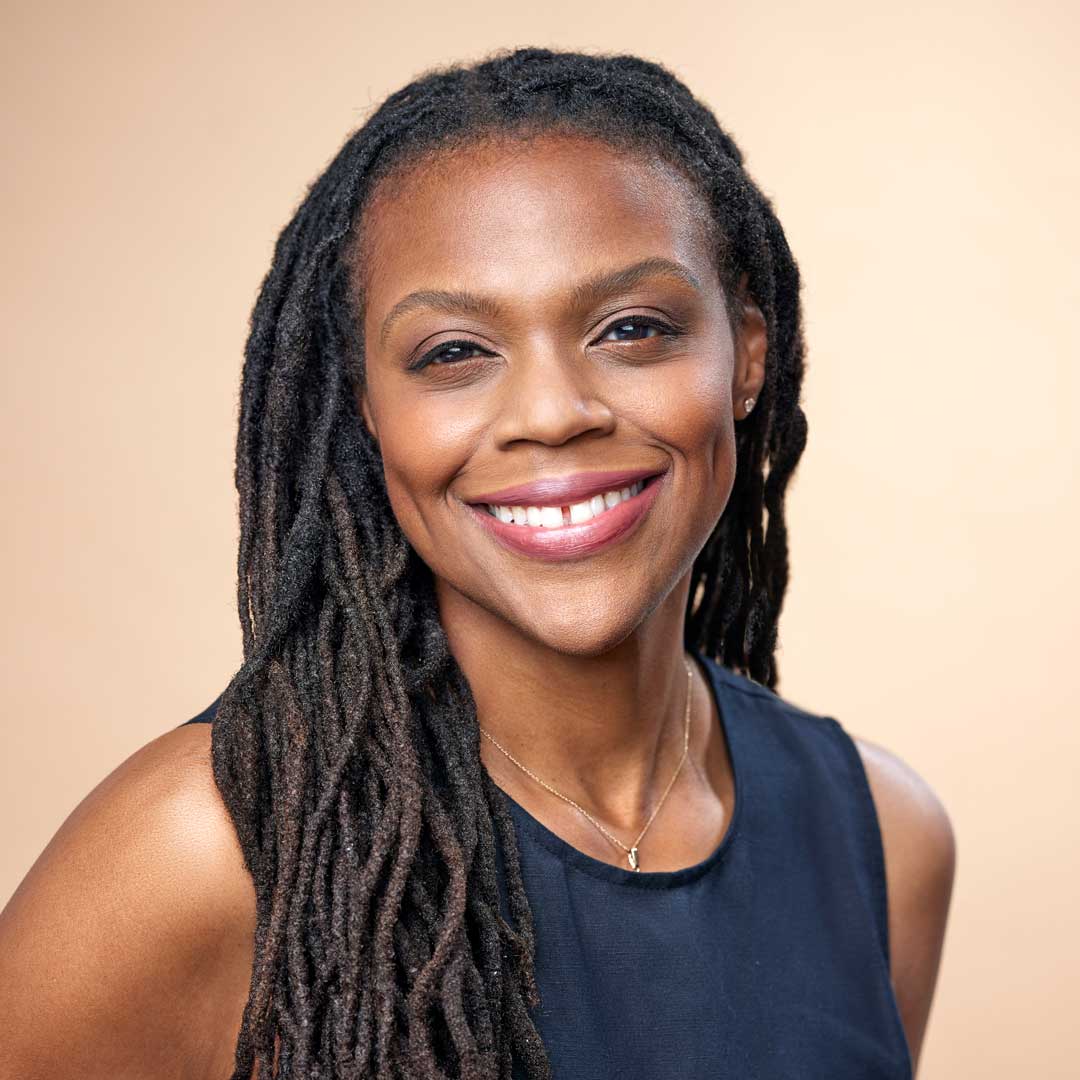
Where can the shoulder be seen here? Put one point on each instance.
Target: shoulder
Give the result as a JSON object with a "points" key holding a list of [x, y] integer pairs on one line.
{"points": [[128, 943], [920, 864], [918, 845]]}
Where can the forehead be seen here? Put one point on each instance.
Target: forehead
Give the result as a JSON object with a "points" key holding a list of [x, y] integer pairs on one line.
{"points": [[526, 216]]}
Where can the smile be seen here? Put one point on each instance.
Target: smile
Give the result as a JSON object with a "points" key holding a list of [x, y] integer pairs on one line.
{"points": [[553, 517], [570, 531]]}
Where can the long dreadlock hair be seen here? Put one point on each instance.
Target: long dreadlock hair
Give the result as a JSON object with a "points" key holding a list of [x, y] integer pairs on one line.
{"points": [[346, 747]]}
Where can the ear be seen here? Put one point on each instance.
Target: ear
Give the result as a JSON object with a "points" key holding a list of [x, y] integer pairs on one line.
{"points": [[751, 345]]}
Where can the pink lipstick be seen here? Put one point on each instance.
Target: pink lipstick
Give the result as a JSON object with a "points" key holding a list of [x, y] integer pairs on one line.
{"points": [[575, 539], [563, 490]]}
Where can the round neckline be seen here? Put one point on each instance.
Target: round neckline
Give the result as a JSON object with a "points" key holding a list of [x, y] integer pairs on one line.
{"points": [[655, 879]]}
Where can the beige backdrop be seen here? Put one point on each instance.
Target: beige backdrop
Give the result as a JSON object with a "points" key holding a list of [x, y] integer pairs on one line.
{"points": [[925, 165]]}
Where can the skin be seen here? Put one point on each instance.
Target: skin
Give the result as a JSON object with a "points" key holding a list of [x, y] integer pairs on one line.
{"points": [[576, 666]]}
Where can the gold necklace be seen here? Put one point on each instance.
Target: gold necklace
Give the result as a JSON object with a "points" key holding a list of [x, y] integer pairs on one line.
{"points": [[632, 851]]}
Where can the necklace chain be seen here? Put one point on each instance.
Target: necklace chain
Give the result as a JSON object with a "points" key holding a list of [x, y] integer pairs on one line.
{"points": [[632, 850]]}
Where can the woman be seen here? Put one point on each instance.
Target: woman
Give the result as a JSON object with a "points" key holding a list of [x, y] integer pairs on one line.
{"points": [[504, 785]]}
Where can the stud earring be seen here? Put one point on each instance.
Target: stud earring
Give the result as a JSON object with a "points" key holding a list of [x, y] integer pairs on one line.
{"points": [[748, 404]]}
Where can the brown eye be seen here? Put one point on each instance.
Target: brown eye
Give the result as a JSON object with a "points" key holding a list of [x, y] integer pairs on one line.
{"points": [[449, 352], [637, 326]]}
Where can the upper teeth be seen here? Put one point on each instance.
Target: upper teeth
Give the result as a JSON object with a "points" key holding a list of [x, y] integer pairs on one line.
{"points": [[554, 516]]}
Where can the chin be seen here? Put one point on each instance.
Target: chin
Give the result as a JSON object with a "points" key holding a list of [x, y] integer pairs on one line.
{"points": [[573, 635]]}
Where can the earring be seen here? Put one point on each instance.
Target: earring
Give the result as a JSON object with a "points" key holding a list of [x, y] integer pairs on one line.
{"points": [[748, 404]]}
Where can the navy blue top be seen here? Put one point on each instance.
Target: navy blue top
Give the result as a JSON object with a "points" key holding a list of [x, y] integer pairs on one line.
{"points": [[768, 960]]}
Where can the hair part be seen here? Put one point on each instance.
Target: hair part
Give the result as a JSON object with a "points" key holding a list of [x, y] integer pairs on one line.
{"points": [[346, 747]]}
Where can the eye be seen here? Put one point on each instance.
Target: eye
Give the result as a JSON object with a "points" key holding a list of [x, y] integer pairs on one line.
{"points": [[453, 353], [449, 352], [634, 324]]}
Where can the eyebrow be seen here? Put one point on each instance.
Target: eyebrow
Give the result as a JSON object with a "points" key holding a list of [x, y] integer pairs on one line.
{"points": [[455, 302]]}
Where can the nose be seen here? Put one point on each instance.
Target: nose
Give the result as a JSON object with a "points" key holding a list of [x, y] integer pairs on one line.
{"points": [[550, 396]]}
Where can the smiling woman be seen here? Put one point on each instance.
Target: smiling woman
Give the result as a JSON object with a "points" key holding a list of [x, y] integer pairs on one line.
{"points": [[504, 786]]}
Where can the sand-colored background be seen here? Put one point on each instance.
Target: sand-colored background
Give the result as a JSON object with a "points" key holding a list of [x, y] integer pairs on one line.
{"points": [[925, 164]]}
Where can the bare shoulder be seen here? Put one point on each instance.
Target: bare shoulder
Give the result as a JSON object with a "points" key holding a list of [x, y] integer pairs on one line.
{"points": [[920, 866], [126, 950]]}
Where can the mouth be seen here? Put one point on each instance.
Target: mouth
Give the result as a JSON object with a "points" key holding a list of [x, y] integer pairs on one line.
{"points": [[571, 530], [569, 513]]}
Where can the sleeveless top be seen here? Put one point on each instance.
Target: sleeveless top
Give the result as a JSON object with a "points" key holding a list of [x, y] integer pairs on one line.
{"points": [[768, 960]]}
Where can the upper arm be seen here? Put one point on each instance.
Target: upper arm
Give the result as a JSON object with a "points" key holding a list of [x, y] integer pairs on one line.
{"points": [[125, 952], [920, 864]]}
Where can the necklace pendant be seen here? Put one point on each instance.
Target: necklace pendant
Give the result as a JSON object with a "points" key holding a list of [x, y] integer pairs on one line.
{"points": [[632, 857]]}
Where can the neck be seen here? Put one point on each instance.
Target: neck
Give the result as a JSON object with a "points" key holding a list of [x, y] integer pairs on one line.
{"points": [[605, 730]]}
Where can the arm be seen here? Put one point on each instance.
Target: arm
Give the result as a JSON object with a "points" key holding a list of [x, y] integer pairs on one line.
{"points": [[126, 950], [920, 865]]}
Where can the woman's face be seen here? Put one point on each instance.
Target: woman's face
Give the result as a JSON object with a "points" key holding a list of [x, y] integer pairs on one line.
{"points": [[536, 310]]}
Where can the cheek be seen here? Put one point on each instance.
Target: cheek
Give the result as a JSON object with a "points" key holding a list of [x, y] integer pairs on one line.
{"points": [[703, 439], [423, 449], [691, 412], [692, 415], [717, 432]]}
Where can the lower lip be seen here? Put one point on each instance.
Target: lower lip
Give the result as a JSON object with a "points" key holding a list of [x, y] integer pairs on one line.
{"points": [[573, 541]]}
